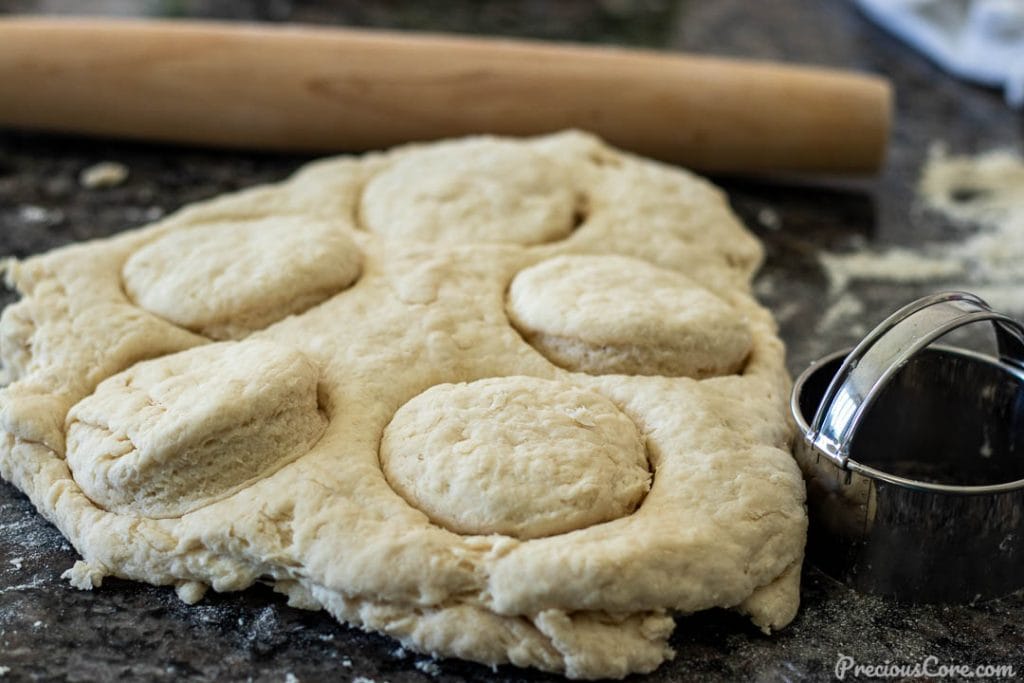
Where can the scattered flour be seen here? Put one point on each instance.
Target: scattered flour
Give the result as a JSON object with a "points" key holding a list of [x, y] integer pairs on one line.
{"points": [[894, 265], [30, 213], [103, 175], [264, 625], [347, 663], [985, 189], [1005, 298], [764, 287], [16, 562], [769, 219], [847, 307], [429, 667], [4, 670], [787, 312], [39, 583], [985, 193], [291, 678], [19, 528]]}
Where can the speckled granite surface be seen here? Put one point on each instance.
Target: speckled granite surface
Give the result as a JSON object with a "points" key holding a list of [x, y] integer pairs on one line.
{"points": [[50, 631]]}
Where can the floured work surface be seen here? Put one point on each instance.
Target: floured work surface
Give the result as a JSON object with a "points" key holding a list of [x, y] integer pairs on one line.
{"points": [[505, 401]]}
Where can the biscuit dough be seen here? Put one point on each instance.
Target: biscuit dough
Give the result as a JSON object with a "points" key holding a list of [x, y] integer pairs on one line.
{"points": [[338, 384]]}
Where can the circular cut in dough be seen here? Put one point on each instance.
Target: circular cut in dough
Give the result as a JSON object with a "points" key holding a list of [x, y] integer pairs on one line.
{"points": [[471, 191], [518, 456], [227, 279], [619, 315], [170, 435]]}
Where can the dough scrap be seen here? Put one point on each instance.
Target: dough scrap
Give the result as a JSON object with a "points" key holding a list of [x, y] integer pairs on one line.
{"points": [[297, 411]]}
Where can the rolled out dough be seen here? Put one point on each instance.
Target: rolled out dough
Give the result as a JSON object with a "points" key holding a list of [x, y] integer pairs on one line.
{"points": [[388, 385]]}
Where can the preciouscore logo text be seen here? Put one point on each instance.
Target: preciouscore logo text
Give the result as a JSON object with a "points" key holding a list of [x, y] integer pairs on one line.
{"points": [[931, 667]]}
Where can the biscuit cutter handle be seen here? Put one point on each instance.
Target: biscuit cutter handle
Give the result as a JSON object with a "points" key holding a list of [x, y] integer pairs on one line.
{"points": [[309, 89], [886, 349]]}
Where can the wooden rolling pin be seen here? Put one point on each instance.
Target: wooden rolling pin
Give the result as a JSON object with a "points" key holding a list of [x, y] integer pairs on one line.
{"points": [[330, 89]]}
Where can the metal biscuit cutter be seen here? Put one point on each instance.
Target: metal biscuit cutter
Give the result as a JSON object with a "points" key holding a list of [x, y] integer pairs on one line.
{"points": [[913, 454]]}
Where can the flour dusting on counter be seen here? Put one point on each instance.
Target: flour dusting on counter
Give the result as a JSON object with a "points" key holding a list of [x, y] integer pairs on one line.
{"points": [[845, 309], [983, 193], [895, 265]]}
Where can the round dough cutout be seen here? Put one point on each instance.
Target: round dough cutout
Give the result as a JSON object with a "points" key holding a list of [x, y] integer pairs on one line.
{"points": [[227, 279], [471, 191], [619, 315], [170, 435], [519, 456]]}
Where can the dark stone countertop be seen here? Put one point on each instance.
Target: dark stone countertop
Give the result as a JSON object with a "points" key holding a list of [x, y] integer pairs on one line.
{"points": [[50, 631]]}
